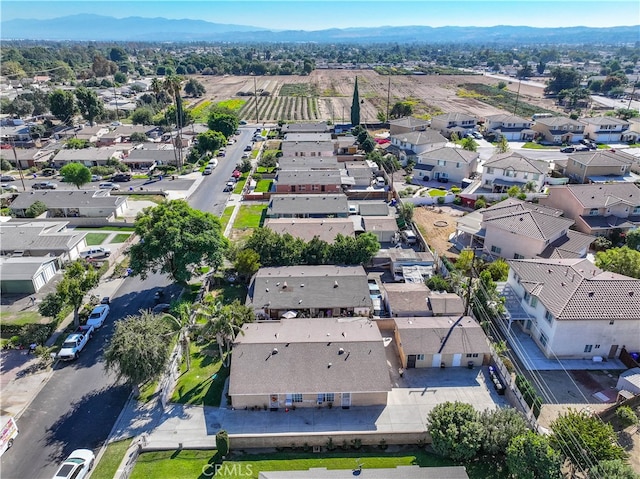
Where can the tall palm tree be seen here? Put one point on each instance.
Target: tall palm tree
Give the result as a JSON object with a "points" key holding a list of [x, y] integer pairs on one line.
{"points": [[156, 87], [173, 85], [184, 320]]}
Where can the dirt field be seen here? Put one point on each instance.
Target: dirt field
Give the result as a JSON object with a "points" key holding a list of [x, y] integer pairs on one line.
{"points": [[438, 236], [330, 93]]}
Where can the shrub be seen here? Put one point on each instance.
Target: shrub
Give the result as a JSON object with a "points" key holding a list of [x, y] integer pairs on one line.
{"points": [[457, 201], [36, 209], [222, 442], [455, 190], [626, 416], [440, 200], [480, 203]]}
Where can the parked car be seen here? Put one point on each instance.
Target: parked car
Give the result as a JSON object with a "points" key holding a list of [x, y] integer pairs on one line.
{"points": [[9, 433], [75, 343], [105, 300], [409, 237], [77, 465], [95, 253], [98, 316], [48, 172], [213, 162], [161, 308], [207, 170], [7, 178], [477, 135], [44, 185], [583, 148], [121, 177], [229, 186], [96, 177], [590, 144], [108, 185], [242, 122], [568, 149], [245, 155], [8, 187], [247, 148], [230, 142]]}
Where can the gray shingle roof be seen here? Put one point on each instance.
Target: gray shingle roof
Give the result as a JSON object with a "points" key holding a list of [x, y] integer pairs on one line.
{"points": [[529, 223], [318, 127], [570, 245], [455, 116], [291, 147], [516, 162], [37, 238], [308, 162], [379, 223], [426, 137], [410, 122], [308, 204], [306, 228], [407, 297], [23, 268], [445, 303], [302, 287], [68, 199], [425, 335], [575, 289], [506, 118], [309, 177], [309, 357], [603, 158], [307, 137], [556, 122], [605, 120], [85, 154], [600, 195], [451, 154]]}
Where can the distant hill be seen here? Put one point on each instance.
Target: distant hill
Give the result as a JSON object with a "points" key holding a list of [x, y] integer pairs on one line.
{"points": [[103, 28]]}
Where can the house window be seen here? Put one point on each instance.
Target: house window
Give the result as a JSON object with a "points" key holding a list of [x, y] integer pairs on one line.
{"points": [[517, 256], [543, 339], [593, 212], [315, 187], [490, 171], [458, 164], [548, 316], [442, 163], [296, 397], [510, 173], [516, 278], [527, 296], [526, 175], [597, 346], [533, 302], [588, 348], [420, 357], [325, 397], [495, 249], [611, 322], [302, 188], [636, 210]]}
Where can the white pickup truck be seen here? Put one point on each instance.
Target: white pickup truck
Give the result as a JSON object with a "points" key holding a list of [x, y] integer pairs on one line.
{"points": [[75, 343]]}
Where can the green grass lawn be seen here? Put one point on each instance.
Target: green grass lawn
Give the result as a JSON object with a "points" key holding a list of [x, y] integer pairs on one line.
{"points": [[147, 391], [198, 386], [115, 227], [108, 465], [189, 464], [226, 216], [250, 216], [254, 153], [94, 239], [21, 317], [228, 292], [240, 185], [263, 169], [200, 112], [534, 146], [263, 186], [120, 238], [435, 192], [603, 147]]}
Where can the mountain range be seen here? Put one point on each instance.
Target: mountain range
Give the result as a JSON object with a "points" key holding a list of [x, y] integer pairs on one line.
{"points": [[86, 27]]}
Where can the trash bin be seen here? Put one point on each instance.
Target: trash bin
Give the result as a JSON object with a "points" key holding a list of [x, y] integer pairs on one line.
{"points": [[470, 364]]}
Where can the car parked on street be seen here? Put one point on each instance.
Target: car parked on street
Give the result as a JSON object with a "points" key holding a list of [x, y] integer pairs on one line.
{"points": [[207, 170], [247, 148], [44, 185], [4, 178], [8, 187], [77, 465], [96, 177], [98, 316], [230, 186], [108, 185], [568, 149], [121, 177]]}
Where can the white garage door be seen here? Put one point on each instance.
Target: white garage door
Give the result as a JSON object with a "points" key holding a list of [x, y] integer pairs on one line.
{"points": [[456, 360], [435, 363], [39, 281]]}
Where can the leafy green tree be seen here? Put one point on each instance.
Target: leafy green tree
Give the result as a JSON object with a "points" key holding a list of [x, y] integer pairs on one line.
{"points": [[194, 88], [355, 105], [499, 269], [76, 174], [368, 145], [138, 137], [268, 159], [89, 104], [77, 144], [613, 469], [63, 105], [469, 144], [19, 107], [633, 239], [626, 113], [562, 79], [405, 212], [224, 123], [500, 427], [529, 456], [247, 263], [456, 430], [222, 442], [78, 279], [12, 70], [139, 350], [117, 54], [316, 251], [584, 439], [623, 260], [142, 116], [51, 305], [438, 283], [502, 146], [513, 191], [35, 209], [120, 78], [210, 141], [174, 238], [401, 109]]}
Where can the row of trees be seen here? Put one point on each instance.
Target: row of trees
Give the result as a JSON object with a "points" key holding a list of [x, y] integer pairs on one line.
{"points": [[502, 436]]}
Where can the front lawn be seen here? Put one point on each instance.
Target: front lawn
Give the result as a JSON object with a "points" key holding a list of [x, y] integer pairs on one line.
{"points": [[533, 146], [250, 216], [436, 192], [202, 385], [94, 239], [120, 238], [111, 459], [20, 318], [227, 292], [603, 146], [263, 186], [226, 216], [240, 185], [189, 464]]}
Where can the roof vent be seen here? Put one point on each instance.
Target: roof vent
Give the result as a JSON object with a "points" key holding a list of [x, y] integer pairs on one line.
{"points": [[550, 271], [521, 218], [341, 351], [302, 285], [591, 293], [274, 351], [630, 293], [284, 286], [563, 283], [267, 290], [335, 284], [328, 365]]}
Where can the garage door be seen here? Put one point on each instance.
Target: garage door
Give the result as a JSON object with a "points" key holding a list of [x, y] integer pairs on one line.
{"points": [[39, 281], [456, 360], [435, 363]]}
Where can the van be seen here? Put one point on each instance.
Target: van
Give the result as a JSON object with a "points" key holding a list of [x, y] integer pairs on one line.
{"points": [[95, 253], [8, 434], [213, 162], [409, 237]]}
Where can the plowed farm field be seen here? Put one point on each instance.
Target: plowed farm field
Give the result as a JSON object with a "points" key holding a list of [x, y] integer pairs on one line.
{"points": [[326, 95]]}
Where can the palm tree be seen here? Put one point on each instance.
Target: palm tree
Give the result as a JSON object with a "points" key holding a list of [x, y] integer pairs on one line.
{"points": [[156, 87], [173, 85], [184, 320]]}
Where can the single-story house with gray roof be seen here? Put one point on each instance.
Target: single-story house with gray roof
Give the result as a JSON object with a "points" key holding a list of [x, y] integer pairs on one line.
{"points": [[383, 227], [310, 291], [317, 127], [71, 203], [309, 363], [41, 238], [326, 229], [399, 472], [309, 181], [25, 275], [308, 206], [308, 148], [445, 341], [308, 163], [87, 156]]}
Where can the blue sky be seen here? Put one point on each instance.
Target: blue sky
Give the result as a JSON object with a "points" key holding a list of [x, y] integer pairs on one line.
{"points": [[321, 14]]}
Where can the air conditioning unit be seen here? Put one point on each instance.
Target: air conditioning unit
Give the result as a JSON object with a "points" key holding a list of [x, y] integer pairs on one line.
{"points": [[317, 449]]}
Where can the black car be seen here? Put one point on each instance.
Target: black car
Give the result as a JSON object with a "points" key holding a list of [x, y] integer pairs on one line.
{"points": [[568, 149], [121, 177], [4, 178]]}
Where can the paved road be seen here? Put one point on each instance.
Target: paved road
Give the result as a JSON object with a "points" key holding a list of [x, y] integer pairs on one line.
{"points": [[79, 405], [210, 195]]}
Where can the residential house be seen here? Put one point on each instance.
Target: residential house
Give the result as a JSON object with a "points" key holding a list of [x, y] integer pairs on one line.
{"points": [[318, 127], [22, 276], [510, 127], [308, 206], [326, 229], [452, 164], [91, 133], [408, 124], [384, 228], [436, 342], [369, 208], [41, 238], [600, 166], [308, 163], [517, 229], [406, 264], [441, 303], [18, 135], [559, 130], [407, 146], [308, 148], [86, 156], [459, 123], [303, 136], [310, 291], [123, 134], [598, 209], [399, 472], [71, 204], [152, 155], [504, 170], [606, 129], [309, 363], [28, 157], [406, 299], [362, 172], [309, 181], [572, 309]]}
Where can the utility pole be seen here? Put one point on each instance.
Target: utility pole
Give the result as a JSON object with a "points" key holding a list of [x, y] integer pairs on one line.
{"points": [[388, 97], [515, 107], [469, 284], [255, 94], [15, 157]]}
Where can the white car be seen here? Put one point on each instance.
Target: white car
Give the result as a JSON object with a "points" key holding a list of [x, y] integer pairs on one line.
{"points": [[96, 177], [108, 185], [213, 162], [7, 187], [245, 156], [95, 253], [98, 316], [77, 465]]}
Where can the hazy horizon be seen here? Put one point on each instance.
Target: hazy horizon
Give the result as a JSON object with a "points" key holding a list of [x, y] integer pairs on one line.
{"points": [[324, 14]]}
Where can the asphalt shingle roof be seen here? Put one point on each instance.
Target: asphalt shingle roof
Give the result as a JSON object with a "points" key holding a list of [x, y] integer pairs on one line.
{"points": [[451, 154], [575, 289], [325, 229], [600, 195], [516, 162], [308, 163], [426, 137], [603, 158], [312, 204], [68, 199], [309, 177], [309, 356], [425, 335]]}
